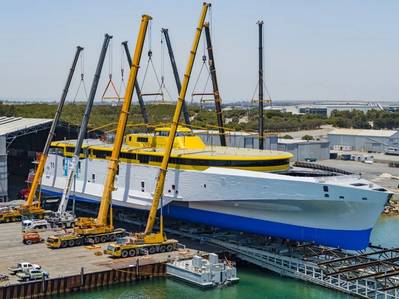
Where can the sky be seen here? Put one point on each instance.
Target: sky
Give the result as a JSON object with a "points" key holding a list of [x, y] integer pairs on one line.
{"points": [[314, 50]]}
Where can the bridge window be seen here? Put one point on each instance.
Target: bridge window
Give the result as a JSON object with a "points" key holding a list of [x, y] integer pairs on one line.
{"points": [[142, 139]]}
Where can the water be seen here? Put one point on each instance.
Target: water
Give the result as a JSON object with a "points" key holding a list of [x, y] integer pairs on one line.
{"points": [[254, 282]]}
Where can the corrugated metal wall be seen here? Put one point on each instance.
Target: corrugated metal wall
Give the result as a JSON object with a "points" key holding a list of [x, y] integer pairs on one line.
{"points": [[3, 169], [361, 143]]}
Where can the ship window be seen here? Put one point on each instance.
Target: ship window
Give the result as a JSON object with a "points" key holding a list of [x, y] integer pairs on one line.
{"points": [[358, 184], [342, 197], [117, 169], [144, 158], [142, 186], [326, 195], [93, 177], [129, 156], [79, 165], [162, 133], [155, 158], [364, 198], [101, 154], [325, 188], [173, 187], [142, 139], [130, 138], [69, 149]]}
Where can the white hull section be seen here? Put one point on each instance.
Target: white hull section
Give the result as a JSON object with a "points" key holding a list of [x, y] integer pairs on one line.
{"points": [[326, 204]]}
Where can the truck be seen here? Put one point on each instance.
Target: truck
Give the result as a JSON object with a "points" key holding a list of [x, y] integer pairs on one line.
{"points": [[32, 274], [73, 239], [31, 238], [29, 225], [22, 267], [131, 246]]}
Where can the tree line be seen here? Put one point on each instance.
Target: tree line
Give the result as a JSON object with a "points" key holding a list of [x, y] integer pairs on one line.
{"points": [[236, 119]]}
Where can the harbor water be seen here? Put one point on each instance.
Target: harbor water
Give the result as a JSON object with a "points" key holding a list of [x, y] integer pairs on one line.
{"points": [[254, 283]]}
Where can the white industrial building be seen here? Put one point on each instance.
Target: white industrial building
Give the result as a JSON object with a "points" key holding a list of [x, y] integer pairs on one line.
{"points": [[303, 150], [18, 143], [363, 140]]}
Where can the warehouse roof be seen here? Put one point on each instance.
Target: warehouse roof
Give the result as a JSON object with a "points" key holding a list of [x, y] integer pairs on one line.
{"points": [[10, 125], [361, 132]]}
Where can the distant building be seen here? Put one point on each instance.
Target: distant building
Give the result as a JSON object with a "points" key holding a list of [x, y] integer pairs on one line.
{"points": [[237, 139], [303, 149], [363, 140], [325, 109]]}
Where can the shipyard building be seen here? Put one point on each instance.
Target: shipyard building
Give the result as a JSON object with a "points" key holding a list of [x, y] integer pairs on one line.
{"points": [[303, 150], [300, 149], [363, 140], [20, 140]]}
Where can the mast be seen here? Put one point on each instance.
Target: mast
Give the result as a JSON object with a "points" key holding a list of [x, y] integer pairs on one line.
{"points": [[136, 85], [175, 73], [51, 134], [83, 127], [261, 117], [216, 93], [120, 131]]}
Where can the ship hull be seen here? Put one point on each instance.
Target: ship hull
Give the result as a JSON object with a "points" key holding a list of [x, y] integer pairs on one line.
{"points": [[335, 212]]}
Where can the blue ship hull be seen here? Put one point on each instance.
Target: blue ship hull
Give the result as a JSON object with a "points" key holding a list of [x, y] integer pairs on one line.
{"points": [[345, 239]]}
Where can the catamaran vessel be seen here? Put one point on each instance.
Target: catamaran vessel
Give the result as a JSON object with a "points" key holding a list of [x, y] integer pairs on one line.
{"points": [[241, 189]]}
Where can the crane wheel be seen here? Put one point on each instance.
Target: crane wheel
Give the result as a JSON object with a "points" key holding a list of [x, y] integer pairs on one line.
{"points": [[152, 250], [124, 253], [112, 237], [96, 239], [132, 252], [103, 239], [169, 248], [63, 244], [71, 243], [78, 242], [28, 242], [162, 249]]}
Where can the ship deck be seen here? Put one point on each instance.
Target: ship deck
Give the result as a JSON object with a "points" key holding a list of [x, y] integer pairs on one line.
{"points": [[208, 151]]}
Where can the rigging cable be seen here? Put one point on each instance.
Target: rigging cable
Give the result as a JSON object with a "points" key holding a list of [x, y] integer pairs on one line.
{"points": [[110, 81], [82, 82]]}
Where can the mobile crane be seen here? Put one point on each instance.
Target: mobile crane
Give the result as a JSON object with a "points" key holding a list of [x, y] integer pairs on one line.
{"points": [[63, 218], [96, 230], [149, 241], [32, 207]]}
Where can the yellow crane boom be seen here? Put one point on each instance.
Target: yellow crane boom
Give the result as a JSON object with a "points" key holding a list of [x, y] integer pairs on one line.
{"points": [[120, 131], [175, 121]]}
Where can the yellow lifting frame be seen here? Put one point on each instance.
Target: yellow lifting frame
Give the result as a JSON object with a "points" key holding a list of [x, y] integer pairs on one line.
{"points": [[165, 161]]}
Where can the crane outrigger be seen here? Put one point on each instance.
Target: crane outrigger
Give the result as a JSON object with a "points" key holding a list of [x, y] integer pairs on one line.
{"points": [[156, 241], [96, 230], [32, 207]]}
